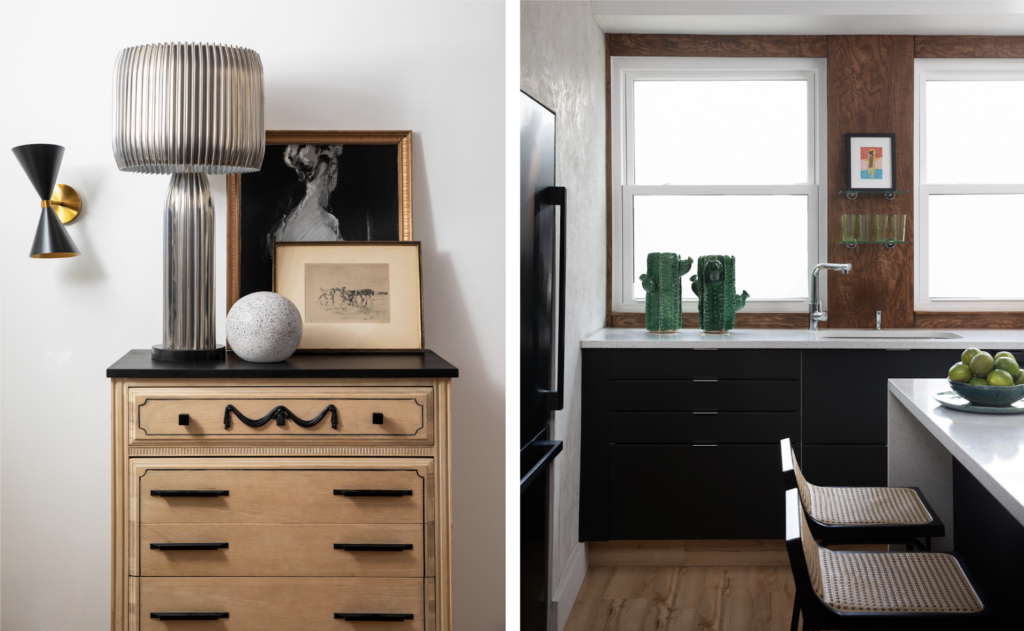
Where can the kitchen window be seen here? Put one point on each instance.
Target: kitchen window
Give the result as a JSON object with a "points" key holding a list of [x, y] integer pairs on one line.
{"points": [[969, 181], [719, 156]]}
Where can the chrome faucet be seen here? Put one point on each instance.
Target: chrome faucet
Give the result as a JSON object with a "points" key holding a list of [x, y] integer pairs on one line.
{"points": [[817, 315]]}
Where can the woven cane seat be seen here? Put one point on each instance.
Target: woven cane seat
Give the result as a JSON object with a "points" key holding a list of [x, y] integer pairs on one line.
{"points": [[853, 506], [887, 581]]}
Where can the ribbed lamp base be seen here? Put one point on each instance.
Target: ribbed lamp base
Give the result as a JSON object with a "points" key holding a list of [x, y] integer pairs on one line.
{"points": [[190, 319]]}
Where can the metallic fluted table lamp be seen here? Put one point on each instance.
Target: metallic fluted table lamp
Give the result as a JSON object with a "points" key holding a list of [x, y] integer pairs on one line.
{"points": [[188, 110], [60, 203]]}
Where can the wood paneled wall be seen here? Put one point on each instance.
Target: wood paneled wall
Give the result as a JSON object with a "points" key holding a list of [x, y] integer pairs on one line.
{"points": [[870, 90]]}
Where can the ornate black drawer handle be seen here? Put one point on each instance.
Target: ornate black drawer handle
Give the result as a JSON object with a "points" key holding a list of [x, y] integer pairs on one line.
{"points": [[281, 413], [189, 615], [372, 492], [196, 493], [173, 547], [373, 547], [373, 617]]}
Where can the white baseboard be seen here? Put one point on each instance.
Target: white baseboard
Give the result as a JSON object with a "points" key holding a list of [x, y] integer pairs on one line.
{"points": [[569, 587]]}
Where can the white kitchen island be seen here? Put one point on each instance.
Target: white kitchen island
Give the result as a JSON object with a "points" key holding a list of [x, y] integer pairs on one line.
{"points": [[970, 468]]}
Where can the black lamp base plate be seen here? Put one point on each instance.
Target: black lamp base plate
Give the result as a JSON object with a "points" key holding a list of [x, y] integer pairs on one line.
{"points": [[215, 354]]}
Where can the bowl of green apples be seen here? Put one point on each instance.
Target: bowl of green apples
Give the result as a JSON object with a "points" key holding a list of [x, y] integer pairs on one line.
{"points": [[987, 380]]}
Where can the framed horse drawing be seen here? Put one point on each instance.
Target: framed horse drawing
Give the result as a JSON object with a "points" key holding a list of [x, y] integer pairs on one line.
{"points": [[325, 186], [353, 295]]}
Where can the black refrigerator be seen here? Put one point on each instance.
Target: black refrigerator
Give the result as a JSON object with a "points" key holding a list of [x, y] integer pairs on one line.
{"points": [[542, 351]]}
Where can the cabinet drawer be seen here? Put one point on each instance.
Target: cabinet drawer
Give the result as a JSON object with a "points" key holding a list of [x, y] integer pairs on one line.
{"points": [[704, 364], [281, 550], [687, 396], [280, 496], [691, 492], [690, 427], [273, 604], [380, 415]]}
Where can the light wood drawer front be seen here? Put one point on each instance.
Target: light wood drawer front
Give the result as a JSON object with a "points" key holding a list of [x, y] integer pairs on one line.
{"points": [[280, 497], [403, 415], [276, 604], [282, 550]]}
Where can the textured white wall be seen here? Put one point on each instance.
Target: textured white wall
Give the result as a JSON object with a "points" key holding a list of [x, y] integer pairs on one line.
{"points": [[432, 67], [562, 66]]}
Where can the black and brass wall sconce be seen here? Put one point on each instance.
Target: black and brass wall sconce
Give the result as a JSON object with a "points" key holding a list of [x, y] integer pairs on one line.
{"points": [[61, 204]]}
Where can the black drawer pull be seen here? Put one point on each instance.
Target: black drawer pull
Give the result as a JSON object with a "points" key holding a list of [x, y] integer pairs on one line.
{"points": [[183, 419], [197, 493], [706, 445], [378, 418], [373, 547], [705, 380], [705, 411], [281, 413], [372, 492], [373, 617], [172, 547], [188, 615]]}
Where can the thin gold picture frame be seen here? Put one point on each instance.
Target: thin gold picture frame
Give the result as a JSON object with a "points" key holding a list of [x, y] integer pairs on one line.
{"points": [[403, 140]]}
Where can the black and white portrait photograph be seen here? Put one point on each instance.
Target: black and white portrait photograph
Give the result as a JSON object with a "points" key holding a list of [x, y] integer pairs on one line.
{"points": [[351, 186]]}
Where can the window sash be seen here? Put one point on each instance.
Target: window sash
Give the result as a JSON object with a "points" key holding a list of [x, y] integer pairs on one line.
{"points": [[951, 70], [625, 70]]}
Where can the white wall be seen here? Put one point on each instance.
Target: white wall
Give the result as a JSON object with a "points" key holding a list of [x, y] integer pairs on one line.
{"points": [[433, 67], [562, 66]]}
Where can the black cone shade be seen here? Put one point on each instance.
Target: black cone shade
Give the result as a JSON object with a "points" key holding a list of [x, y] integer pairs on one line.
{"points": [[41, 164], [52, 239]]}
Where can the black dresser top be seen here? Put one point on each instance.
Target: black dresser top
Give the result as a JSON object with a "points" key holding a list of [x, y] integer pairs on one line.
{"points": [[139, 364]]}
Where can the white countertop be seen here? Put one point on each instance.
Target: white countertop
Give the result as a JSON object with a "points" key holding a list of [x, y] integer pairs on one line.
{"points": [[989, 446], [988, 339]]}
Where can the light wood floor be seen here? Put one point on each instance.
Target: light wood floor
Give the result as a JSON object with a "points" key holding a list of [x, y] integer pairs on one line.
{"points": [[684, 599]]}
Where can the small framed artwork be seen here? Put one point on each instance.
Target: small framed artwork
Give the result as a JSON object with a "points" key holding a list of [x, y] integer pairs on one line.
{"points": [[316, 186], [353, 295], [870, 162]]}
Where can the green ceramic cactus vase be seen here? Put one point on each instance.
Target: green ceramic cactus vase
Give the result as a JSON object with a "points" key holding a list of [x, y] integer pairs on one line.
{"points": [[715, 286], [664, 286]]}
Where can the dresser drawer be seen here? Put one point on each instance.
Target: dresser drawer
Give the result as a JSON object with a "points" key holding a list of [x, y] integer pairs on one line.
{"points": [[281, 496], [274, 604], [688, 396], [297, 415], [282, 550]]}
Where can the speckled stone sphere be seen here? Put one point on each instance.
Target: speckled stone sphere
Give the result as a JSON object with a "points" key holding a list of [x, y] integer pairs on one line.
{"points": [[264, 327]]}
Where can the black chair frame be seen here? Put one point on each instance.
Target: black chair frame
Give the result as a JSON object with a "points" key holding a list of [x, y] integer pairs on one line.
{"points": [[819, 616], [909, 535]]}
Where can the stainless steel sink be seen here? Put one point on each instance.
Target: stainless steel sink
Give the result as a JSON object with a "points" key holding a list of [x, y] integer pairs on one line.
{"points": [[870, 334]]}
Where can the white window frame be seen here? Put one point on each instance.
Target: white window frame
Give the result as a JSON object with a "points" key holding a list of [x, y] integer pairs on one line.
{"points": [[626, 70], [951, 70]]}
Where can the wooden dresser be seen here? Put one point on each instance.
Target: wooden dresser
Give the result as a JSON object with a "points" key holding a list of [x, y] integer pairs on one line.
{"points": [[309, 494]]}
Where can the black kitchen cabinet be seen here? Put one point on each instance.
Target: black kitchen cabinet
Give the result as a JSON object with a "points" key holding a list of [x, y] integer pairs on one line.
{"points": [[696, 492], [684, 443], [846, 465], [845, 392]]}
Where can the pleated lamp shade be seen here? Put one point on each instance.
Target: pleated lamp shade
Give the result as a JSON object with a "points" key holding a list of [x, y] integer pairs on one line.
{"points": [[41, 164], [188, 108]]}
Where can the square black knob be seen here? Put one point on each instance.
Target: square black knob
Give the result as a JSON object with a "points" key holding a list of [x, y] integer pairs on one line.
{"points": [[378, 418], [183, 419]]}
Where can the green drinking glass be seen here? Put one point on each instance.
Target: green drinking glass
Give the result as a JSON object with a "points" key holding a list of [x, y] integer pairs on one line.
{"points": [[863, 225], [847, 224], [881, 227], [899, 228]]}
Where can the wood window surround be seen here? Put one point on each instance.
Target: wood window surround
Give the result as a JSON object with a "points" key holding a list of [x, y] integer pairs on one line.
{"points": [[870, 87]]}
